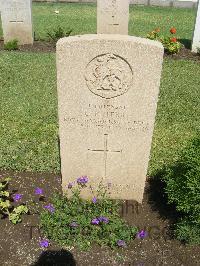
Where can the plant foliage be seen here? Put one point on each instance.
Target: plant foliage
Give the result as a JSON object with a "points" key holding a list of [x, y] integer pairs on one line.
{"points": [[78, 222], [170, 43], [183, 189], [6, 208], [11, 45], [58, 33]]}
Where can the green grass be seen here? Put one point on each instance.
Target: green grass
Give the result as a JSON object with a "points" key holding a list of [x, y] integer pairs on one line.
{"points": [[81, 18], [28, 112], [145, 19], [178, 113]]}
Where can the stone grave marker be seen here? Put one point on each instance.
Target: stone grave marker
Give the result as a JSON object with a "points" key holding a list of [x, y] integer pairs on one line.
{"points": [[108, 88], [112, 16], [196, 34], [17, 21]]}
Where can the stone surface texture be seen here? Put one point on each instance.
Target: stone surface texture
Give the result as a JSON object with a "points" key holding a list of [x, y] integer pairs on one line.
{"points": [[16, 19], [108, 88], [112, 16], [196, 34]]}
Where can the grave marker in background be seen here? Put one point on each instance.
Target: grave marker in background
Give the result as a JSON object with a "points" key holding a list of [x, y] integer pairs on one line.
{"points": [[196, 34], [108, 89], [16, 19], [112, 16]]}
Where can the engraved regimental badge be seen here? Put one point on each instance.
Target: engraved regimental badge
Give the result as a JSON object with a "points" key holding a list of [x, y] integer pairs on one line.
{"points": [[108, 76]]}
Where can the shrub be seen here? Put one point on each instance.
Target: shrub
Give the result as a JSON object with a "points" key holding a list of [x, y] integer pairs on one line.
{"points": [[183, 189], [170, 43], [6, 208], [11, 45], [188, 232], [58, 33], [72, 221]]}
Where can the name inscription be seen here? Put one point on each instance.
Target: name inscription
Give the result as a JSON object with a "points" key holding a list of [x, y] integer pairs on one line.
{"points": [[106, 117], [113, 11], [16, 11]]}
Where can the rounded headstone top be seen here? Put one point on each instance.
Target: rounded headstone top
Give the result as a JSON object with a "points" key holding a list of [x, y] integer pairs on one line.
{"points": [[108, 37]]}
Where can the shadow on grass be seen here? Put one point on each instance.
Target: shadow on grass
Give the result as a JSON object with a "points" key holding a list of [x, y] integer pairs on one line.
{"points": [[187, 43], [59, 150], [55, 258], [158, 198]]}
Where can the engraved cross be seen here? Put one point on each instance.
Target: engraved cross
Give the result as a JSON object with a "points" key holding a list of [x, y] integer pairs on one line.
{"points": [[105, 150]]}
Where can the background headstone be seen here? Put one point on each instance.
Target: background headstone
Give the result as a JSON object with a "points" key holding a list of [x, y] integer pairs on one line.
{"points": [[112, 16], [108, 88], [196, 34], [16, 19]]}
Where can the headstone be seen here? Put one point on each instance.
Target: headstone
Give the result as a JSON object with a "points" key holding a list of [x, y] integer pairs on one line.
{"points": [[196, 34], [17, 21], [112, 16], [108, 89]]}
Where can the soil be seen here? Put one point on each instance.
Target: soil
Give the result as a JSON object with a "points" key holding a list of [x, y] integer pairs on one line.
{"points": [[19, 244], [37, 47], [46, 47]]}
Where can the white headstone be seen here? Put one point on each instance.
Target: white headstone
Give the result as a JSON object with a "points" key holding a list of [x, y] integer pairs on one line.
{"points": [[108, 89], [112, 16], [16, 19], [196, 34]]}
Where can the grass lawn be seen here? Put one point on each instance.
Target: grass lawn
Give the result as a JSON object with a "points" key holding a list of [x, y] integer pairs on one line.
{"points": [[81, 18], [29, 112]]}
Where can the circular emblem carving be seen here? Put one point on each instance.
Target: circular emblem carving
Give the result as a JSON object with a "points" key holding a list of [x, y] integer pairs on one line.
{"points": [[108, 76]]}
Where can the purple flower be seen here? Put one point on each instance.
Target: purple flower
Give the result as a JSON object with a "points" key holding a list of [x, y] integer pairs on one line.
{"points": [[94, 200], [100, 219], [74, 225], [103, 219], [95, 221], [17, 197], [44, 243], [70, 185], [142, 234], [121, 243], [38, 191], [82, 180], [50, 207]]}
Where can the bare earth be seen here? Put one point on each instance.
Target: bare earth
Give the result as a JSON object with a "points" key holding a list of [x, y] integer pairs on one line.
{"points": [[19, 244]]}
